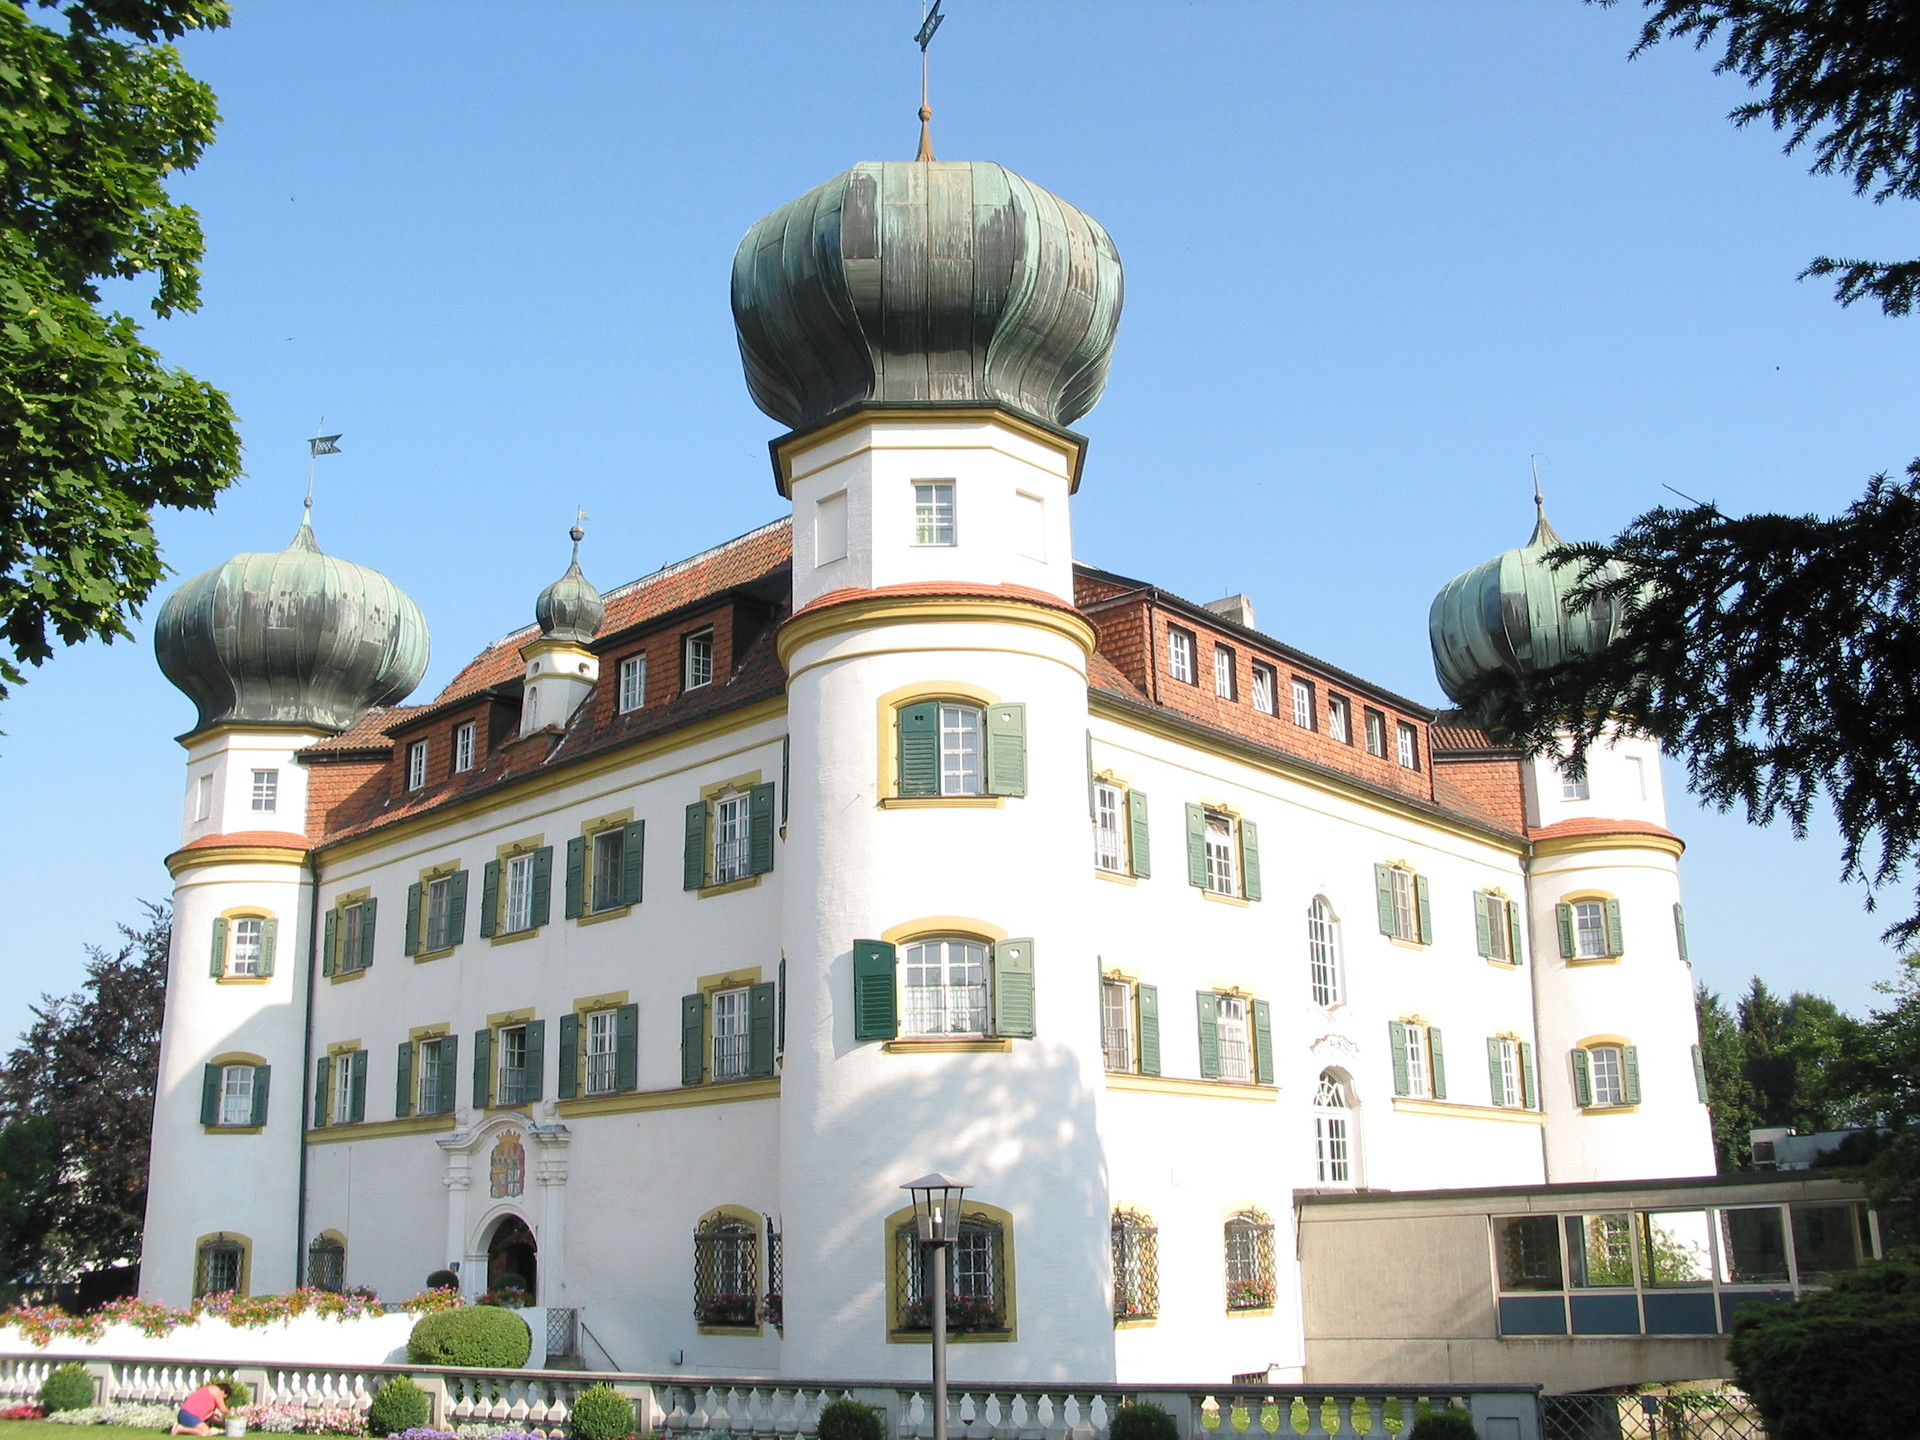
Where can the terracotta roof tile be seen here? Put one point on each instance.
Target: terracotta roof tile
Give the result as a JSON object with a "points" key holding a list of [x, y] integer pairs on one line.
{"points": [[259, 839], [1597, 826]]}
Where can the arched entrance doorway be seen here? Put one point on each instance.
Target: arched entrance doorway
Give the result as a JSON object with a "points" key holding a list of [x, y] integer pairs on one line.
{"points": [[512, 1253]]}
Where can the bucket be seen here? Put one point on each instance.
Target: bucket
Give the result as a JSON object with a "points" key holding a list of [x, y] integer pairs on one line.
{"points": [[236, 1427]]}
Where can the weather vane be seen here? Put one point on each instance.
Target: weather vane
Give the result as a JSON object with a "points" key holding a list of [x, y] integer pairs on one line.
{"points": [[930, 20], [316, 447]]}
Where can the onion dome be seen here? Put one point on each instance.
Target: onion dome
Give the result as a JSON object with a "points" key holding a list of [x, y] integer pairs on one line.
{"points": [[294, 638], [1510, 613], [926, 282], [570, 608]]}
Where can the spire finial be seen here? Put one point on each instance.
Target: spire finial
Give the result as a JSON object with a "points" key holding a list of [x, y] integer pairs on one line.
{"points": [[1539, 500], [578, 533], [316, 447], [930, 20]]}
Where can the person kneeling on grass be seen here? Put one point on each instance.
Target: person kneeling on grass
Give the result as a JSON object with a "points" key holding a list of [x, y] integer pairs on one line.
{"points": [[200, 1409]]}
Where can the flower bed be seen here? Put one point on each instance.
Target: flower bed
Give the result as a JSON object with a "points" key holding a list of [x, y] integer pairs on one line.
{"points": [[41, 1324], [281, 1419], [139, 1417]]}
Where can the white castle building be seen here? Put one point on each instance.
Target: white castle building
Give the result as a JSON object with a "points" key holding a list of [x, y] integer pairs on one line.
{"points": [[649, 958]]}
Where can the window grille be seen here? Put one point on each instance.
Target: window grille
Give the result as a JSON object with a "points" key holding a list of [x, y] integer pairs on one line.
{"points": [[217, 1271], [1116, 1024], [726, 1267], [732, 1040], [1136, 1266], [1323, 953], [600, 1052], [776, 1273], [732, 839], [1109, 840], [976, 1277], [1249, 1245], [327, 1265]]}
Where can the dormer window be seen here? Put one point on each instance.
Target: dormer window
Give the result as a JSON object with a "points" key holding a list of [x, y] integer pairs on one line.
{"points": [[416, 764], [633, 683], [464, 738], [933, 512], [696, 667]]}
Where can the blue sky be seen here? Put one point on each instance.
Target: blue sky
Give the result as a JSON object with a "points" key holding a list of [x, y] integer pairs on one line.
{"points": [[1377, 254]]}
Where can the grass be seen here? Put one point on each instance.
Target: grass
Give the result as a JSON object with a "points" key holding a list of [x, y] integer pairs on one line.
{"points": [[47, 1430]]}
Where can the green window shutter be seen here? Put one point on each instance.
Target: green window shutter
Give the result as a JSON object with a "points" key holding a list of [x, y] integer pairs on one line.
{"points": [[1139, 855], [322, 1076], [695, 860], [457, 907], [1263, 1043], [1147, 997], [780, 1027], [1680, 928], [482, 1069], [1615, 944], [1630, 1070], [568, 1084], [212, 1077], [1495, 1080], [1249, 860], [536, 1059], [542, 896], [368, 908], [693, 1066], [1092, 804], [489, 898], [1699, 1075], [330, 945], [1483, 925], [626, 1047], [1197, 846], [1437, 1058], [1006, 750], [358, 1097], [761, 1000], [1425, 908], [1208, 1005], [1564, 914], [786, 778], [1529, 1080], [217, 966], [1013, 1008], [633, 856], [875, 991], [1582, 1079], [1383, 896], [760, 829], [918, 730], [269, 939], [410, 945], [1397, 1046], [576, 877], [1514, 950], [449, 1067], [403, 1081], [261, 1075]]}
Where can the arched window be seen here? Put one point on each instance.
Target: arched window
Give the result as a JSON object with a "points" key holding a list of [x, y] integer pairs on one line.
{"points": [[1249, 1246], [327, 1263], [945, 987], [1332, 1131], [956, 747], [977, 1293], [220, 1265], [243, 946], [1606, 1075], [726, 1270], [1136, 1267], [1323, 953]]}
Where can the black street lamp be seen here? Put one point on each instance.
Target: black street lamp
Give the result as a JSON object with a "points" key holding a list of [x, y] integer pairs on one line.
{"points": [[936, 1209]]}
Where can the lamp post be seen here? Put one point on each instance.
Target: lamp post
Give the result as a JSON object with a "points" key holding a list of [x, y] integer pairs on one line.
{"points": [[936, 1210]]}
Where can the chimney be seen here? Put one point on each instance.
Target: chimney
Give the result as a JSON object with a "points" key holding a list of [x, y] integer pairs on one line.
{"points": [[1237, 608]]}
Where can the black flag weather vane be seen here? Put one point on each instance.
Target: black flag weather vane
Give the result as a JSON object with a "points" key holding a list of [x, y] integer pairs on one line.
{"points": [[930, 21], [317, 446]]}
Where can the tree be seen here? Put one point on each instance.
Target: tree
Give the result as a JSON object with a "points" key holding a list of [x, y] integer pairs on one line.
{"points": [[95, 431], [1729, 1096], [1776, 656], [1883, 1066], [1776, 1062], [76, 1107]]}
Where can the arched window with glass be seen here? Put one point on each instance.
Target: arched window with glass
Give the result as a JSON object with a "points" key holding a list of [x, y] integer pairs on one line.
{"points": [[1333, 1131], [1323, 954]]}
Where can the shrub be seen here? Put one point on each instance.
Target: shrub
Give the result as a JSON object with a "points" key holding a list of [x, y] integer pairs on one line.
{"points": [[602, 1413], [1838, 1363], [68, 1387], [850, 1420], [443, 1280], [1141, 1421], [1444, 1425], [238, 1391], [398, 1405], [479, 1337]]}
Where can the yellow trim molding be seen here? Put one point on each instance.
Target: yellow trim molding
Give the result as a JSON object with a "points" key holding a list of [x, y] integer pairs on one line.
{"points": [[724, 1092], [1001, 1046], [874, 611], [1173, 1085], [1462, 1111], [238, 1057], [964, 926], [234, 855], [943, 802], [380, 1129], [1625, 840]]}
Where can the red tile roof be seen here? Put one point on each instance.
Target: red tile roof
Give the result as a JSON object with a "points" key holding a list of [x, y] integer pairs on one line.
{"points": [[258, 839], [1595, 826]]}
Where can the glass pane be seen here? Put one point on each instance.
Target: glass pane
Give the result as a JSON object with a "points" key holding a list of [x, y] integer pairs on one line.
{"points": [[1600, 1250], [1823, 1242], [1754, 1246], [1676, 1247], [1529, 1252]]}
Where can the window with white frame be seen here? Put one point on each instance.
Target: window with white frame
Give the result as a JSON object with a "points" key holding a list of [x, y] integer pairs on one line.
{"points": [[352, 946], [1223, 855], [245, 938], [1223, 672], [933, 512], [1503, 1072], [732, 1035], [1116, 1024], [633, 683], [601, 1050], [266, 790], [1332, 1131], [1109, 828], [510, 1080], [609, 869], [1590, 929], [1407, 747], [1180, 655], [1497, 926], [696, 660], [1406, 903], [1303, 704], [342, 1082], [435, 1081], [1376, 734], [203, 798], [1340, 719], [1264, 681], [1323, 953], [1608, 1076], [732, 839], [416, 764], [236, 1095], [464, 739], [1573, 787], [439, 906], [1416, 1054], [1236, 1047], [518, 914], [945, 983], [962, 738]]}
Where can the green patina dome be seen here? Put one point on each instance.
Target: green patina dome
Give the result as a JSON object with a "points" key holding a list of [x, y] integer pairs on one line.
{"points": [[931, 283], [570, 608], [293, 638], [1510, 614]]}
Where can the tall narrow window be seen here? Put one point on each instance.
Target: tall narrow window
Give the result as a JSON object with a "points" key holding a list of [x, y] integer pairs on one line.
{"points": [[439, 913], [1503, 1072], [732, 839], [1222, 855], [1236, 1054], [1590, 929], [830, 528], [732, 1042], [1332, 1132], [436, 1085], [463, 747], [726, 1271], [203, 798], [327, 1265], [946, 987], [1340, 719], [609, 867], [1608, 1075], [1323, 953], [1109, 828], [961, 731], [243, 946], [352, 937], [696, 660], [1223, 672], [1136, 1267], [1249, 1246], [416, 764], [1263, 687], [266, 790], [1116, 1024], [511, 1086], [1180, 656], [1419, 1069], [601, 1051], [933, 512], [519, 911], [343, 1068], [1636, 777], [236, 1095], [1303, 704], [1376, 734], [1406, 910], [1408, 751], [633, 683]]}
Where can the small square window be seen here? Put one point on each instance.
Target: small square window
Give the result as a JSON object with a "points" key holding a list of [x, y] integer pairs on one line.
{"points": [[633, 683], [933, 512], [1180, 656], [1376, 734], [1223, 672], [1340, 719], [697, 661], [416, 764], [266, 790], [1408, 748], [1263, 688], [464, 737], [1303, 714], [1572, 787]]}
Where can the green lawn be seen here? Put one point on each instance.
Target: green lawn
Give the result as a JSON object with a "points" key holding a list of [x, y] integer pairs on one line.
{"points": [[46, 1430]]}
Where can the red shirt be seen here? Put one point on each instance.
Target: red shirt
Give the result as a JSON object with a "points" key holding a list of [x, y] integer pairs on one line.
{"points": [[203, 1402]]}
